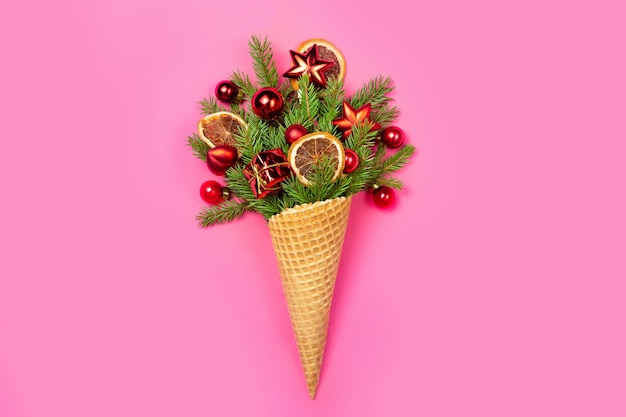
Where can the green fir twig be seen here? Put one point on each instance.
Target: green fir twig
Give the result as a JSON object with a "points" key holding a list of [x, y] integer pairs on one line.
{"points": [[209, 106], [198, 146], [322, 188], [374, 92], [243, 81], [263, 62], [390, 182], [397, 160], [222, 213]]}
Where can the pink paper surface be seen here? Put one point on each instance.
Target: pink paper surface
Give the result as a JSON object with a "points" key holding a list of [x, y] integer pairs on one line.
{"points": [[496, 286]]}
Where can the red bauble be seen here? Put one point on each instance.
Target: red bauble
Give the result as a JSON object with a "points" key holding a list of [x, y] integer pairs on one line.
{"points": [[226, 91], [212, 192], [294, 132], [384, 197], [220, 158], [352, 161], [393, 137], [267, 103]]}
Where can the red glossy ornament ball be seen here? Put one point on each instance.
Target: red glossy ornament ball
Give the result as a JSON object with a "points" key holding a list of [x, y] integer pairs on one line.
{"points": [[393, 137], [212, 192], [220, 158], [267, 103], [384, 196], [352, 161], [226, 91], [294, 132]]}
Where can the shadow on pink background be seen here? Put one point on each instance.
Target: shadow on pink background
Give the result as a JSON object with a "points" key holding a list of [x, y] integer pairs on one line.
{"points": [[494, 288]]}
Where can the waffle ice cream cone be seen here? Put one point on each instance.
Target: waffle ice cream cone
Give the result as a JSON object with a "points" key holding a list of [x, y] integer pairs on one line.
{"points": [[307, 241]]}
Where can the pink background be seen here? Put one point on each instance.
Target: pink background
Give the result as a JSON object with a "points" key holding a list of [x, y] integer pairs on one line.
{"points": [[494, 288]]}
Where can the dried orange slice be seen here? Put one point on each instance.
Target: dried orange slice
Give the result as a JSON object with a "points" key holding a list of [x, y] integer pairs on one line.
{"points": [[219, 128], [307, 152], [328, 51]]}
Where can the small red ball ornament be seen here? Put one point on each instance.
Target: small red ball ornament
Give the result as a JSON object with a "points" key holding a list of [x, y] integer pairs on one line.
{"points": [[393, 137], [220, 158], [384, 197], [294, 132], [352, 161], [267, 103], [226, 91], [213, 193]]}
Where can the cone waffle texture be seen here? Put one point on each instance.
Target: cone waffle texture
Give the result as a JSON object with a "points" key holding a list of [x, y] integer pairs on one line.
{"points": [[307, 241]]}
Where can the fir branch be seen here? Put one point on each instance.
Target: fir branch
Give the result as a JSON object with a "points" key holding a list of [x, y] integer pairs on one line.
{"points": [[389, 182], [269, 205], [251, 140], [243, 81], [309, 101], [238, 109], [198, 146], [322, 186], [222, 213], [361, 141], [209, 106], [239, 185], [297, 114], [362, 135], [287, 91], [331, 100], [276, 139], [385, 115], [325, 125], [374, 92], [397, 160], [264, 64]]}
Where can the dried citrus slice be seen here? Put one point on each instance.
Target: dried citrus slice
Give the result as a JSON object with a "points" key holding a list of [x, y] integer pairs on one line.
{"points": [[307, 152], [219, 128], [328, 51]]}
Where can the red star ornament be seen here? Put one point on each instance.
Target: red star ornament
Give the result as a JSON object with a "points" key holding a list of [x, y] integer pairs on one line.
{"points": [[352, 117], [309, 63]]}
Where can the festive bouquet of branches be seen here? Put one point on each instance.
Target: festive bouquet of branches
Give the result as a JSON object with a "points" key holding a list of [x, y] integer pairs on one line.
{"points": [[296, 149]]}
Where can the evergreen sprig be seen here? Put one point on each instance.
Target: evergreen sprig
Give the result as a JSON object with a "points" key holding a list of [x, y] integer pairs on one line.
{"points": [[225, 212], [390, 181], [330, 105], [243, 81], [322, 187], [209, 106], [263, 62], [198, 146], [309, 102], [374, 92], [397, 160], [385, 115]]}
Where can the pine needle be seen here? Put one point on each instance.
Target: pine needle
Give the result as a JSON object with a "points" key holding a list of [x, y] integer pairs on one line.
{"points": [[198, 146], [243, 81], [397, 160], [374, 92], [209, 106], [263, 62], [222, 213]]}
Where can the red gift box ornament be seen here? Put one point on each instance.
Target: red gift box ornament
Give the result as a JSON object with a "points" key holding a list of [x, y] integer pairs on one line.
{"points": [[266, 171]]}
